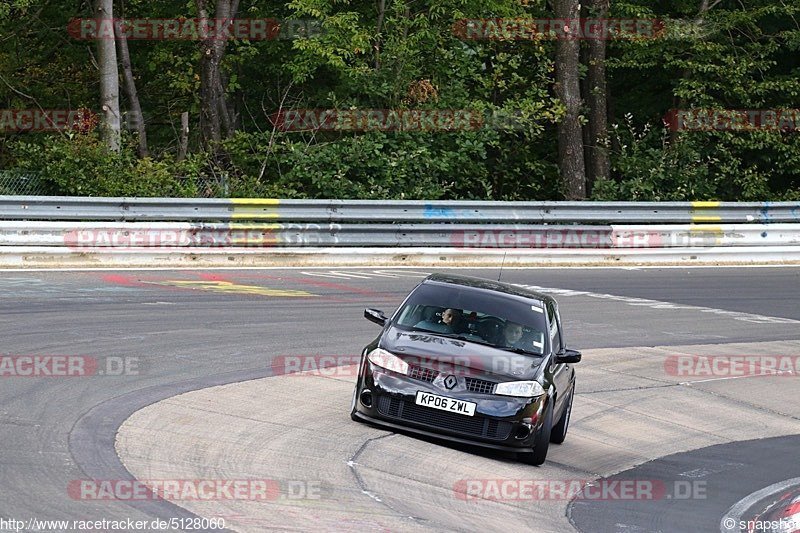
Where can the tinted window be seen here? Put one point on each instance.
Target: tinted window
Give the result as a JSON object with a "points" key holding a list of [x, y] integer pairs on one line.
{"points": [[497, 319], [555, 337]]}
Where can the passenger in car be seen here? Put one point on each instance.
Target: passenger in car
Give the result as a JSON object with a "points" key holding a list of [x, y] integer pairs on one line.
{"points": [[450, 322], [453, 319], [431, 322]]}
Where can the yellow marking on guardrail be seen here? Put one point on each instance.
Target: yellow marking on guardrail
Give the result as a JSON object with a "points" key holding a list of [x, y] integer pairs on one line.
{"points": [[705, 234], [254, 234], [254, 226], [704, 212], [262, 201], [254, 208], [229, 287]]}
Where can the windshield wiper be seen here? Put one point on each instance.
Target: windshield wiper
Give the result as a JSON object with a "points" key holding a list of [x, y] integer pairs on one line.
{"points": [[423, 330], [457, 337], [465, 339], [521, 351]]}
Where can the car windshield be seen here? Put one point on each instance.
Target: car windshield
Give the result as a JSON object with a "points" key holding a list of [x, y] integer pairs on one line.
{"points": [[507, 322]]}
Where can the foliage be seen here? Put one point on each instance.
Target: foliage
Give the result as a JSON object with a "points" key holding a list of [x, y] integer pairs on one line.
{"points": [[80, 165], [735, 56]]}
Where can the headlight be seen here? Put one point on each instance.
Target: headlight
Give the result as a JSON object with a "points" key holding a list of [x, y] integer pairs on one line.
{"points": [[384, 359], [525, 389]]}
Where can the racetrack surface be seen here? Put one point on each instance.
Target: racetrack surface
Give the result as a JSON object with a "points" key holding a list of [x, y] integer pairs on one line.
{"points": [[190, 330]]}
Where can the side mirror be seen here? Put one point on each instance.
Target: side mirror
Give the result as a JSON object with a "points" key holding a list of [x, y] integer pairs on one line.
{"points": [[568, 356], [374, 315]]}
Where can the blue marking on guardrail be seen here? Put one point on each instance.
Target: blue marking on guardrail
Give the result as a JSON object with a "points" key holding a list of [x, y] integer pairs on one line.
{"points": [[431, 211], [765, 216]]}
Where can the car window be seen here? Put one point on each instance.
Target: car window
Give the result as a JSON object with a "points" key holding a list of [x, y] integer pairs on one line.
{"points": [[497, 319], [555, 334]]}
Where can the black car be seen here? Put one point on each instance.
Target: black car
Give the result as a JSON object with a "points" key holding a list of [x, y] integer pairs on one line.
{"points": [[473, 361]]}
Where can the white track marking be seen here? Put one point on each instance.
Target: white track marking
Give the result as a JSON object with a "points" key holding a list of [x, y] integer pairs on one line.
{"points": [[770, 374], [340, 274], [20, 281], [334, 275], [393, 267], [656, 304], [376, 274], [404, 273]]}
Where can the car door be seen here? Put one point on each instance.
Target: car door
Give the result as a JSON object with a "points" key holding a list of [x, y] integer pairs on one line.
{"points": [[561, 372]]}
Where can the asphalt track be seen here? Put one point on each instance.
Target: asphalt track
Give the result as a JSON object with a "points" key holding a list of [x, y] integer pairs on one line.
{"points": [[190, 330]]}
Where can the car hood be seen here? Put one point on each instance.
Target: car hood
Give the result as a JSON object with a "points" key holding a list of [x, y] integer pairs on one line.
{"points": [[431, 350]]}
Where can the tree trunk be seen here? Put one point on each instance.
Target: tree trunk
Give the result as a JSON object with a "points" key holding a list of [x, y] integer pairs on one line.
{"points": [[183, 142], [584, 84], [599, 165], [570, 133], [109, 80], [376, 46], [135, 116], [214, 115]]}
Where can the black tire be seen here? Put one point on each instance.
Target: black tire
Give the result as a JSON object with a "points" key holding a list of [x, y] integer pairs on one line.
{"points": [[541, 441], [559, 432], [353, 404]]}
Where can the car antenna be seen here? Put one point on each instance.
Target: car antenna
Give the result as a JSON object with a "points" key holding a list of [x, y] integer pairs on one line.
{"points": [[501, 265]]}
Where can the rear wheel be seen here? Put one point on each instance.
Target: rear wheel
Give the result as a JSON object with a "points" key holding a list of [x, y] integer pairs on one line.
{"points": [[559, 432], [541, 441]]}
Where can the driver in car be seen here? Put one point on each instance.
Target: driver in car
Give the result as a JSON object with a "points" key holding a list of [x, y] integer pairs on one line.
{"points": [[512, 335]]}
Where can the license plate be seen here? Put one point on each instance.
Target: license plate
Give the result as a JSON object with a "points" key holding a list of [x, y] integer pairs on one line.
{"points": [[445, 404]]}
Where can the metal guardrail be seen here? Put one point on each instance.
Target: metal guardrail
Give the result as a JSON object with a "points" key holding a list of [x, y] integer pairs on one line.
{"points": [[85, 236], [60, 208]]}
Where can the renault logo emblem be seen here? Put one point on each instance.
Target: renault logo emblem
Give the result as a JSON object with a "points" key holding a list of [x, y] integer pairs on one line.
{"points": [[450, 381]]}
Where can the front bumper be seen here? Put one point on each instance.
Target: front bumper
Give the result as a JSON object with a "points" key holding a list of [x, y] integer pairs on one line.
{"points": [[497, 424]]}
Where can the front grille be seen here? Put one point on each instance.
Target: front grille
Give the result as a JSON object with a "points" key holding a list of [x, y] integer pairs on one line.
{"points": [[479, 385], [421, 373], [476, 426]]}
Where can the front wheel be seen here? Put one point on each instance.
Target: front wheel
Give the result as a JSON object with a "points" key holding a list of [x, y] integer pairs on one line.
{"points": [[541, 441], [354, 402], [353, 405], [560, 429]]}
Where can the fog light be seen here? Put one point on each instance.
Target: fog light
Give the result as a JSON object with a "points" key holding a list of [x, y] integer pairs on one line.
{"points": [[522, 432], [366, 397]]}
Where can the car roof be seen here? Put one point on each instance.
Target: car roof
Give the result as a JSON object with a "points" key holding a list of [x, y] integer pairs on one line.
{"points": [[487, 285]]}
